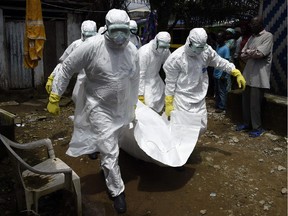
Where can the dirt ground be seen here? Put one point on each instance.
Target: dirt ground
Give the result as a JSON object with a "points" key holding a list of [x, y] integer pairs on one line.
{"points": [[228, 173]]}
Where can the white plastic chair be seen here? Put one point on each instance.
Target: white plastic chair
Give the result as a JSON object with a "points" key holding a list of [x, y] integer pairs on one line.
{"points": [[54, 172]]}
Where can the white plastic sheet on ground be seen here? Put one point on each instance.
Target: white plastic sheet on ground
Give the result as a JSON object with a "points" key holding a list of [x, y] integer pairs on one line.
{"points": [[155, 139]]}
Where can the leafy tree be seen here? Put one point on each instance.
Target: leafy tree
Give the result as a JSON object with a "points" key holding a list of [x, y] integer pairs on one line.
{"points": [[100, 8], [196, 13]]}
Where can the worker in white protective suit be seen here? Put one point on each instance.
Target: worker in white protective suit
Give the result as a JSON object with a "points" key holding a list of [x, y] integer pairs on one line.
{"points": [[187, 77], [111, 65], [88, 29], [151, 57], [134, 38]]}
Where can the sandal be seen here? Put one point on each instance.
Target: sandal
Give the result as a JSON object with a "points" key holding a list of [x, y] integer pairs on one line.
{"points": [[242, 127], [256, 133]]}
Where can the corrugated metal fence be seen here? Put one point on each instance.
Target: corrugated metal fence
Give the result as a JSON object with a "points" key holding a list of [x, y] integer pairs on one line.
{"points": [[19, 76], [275, 19]]}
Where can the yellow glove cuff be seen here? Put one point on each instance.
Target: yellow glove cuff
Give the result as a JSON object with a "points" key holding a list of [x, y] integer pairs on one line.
{"points": [[51, 77], [169, 99], [141, 98], [49, 83], [169, 104], [235, 72], [54, 98]]}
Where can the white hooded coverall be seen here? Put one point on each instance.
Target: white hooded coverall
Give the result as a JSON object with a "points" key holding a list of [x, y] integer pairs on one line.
{"points": [[88, 29], [187, 77], [111, 87], [151, 59], [134, 38]]}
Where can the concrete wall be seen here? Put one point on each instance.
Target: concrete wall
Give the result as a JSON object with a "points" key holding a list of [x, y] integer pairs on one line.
{"points": [[274, 113]]}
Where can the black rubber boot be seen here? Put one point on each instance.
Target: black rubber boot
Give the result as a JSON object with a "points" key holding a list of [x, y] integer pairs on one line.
{"points": [[180, 169], [120, 203], [93, 156]]}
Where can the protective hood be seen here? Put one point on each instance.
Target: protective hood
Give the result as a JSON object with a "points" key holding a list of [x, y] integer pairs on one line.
{"points": [[88, 29], [117, 28], [101, 30], [117, 16], [196, 42], [133, 26], [161, 42]]}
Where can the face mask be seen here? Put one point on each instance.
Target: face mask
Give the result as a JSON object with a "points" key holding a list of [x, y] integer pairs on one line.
{"points": [[120, 39], [119, 34]]}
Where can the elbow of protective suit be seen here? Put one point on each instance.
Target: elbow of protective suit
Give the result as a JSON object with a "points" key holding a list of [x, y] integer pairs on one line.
{"points": [[240, 79]]}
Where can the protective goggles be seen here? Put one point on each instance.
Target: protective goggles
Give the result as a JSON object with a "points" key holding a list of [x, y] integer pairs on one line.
{"points": [[133, 30], [89, 33], [163, 44], [115, 29], [198, 48]]}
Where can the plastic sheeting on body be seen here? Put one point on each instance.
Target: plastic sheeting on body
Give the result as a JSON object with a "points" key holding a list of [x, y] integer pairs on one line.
{"points": [[154, 139]]}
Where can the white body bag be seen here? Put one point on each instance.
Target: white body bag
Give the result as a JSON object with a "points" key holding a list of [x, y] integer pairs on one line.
{"points": [[153, 138]]}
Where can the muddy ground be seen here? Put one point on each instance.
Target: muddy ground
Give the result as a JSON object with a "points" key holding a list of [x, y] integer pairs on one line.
{"points": [[228, 173]]}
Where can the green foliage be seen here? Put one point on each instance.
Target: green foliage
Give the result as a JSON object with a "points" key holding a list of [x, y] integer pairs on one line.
{"points": [[203, 12]]}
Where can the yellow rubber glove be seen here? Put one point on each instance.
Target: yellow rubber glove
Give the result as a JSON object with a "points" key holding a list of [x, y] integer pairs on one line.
{"points": [[53, 105], [49, 83], [240, 79], [141, 98], [169, 104]]}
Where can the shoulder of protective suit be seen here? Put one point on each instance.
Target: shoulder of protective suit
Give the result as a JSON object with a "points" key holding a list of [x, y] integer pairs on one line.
{"points": [[76, 41], [176, 57], [146, 48], [146, 55], [178, 52], [92, 44], [208, 53], [94, 37], [74, 44], [95, 40], [131, 47]]}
